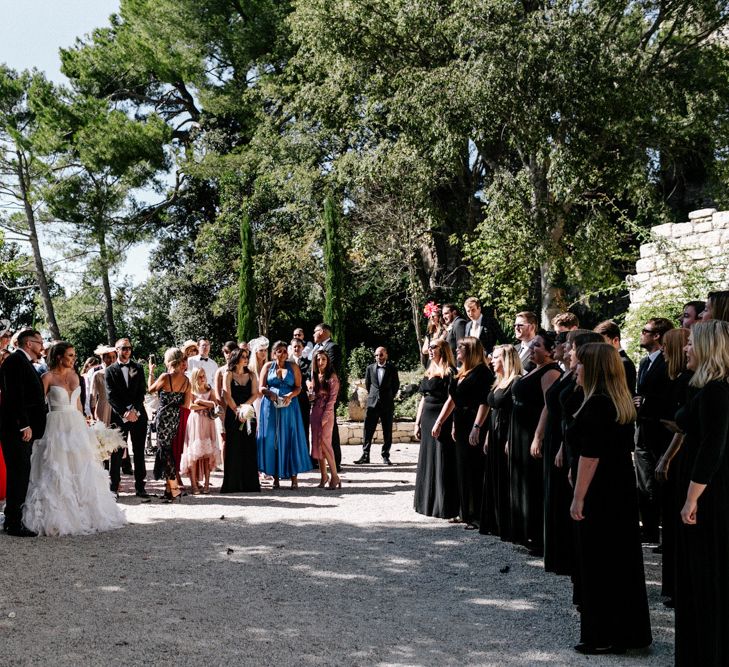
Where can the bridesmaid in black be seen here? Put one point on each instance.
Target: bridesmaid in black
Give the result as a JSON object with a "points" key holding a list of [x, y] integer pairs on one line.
{"points": [[436, 488], [609, 559], [528, 423], [469, 399], [495, 504], [240, 465], [702, 575]]}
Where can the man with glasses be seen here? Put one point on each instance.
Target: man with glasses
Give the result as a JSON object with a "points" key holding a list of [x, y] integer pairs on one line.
{"points": [[651, 437], [23, 415], [525, 331], [125, 390]]}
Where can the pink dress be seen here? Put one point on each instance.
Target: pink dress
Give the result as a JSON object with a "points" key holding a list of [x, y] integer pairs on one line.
{"points": [[322, 419], [201, 438]]}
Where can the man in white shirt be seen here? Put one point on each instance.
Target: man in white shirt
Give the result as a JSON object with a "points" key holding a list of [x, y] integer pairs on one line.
{"points": [[203, 360], [525, 331]]}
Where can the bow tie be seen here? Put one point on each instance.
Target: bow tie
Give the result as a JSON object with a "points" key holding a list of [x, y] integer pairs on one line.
{"points": [[124, 365], [204, 358]]}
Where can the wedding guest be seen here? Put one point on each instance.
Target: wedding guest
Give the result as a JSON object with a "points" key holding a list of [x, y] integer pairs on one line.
{"points": [[90, 366], [6, 336], [189, 350], [496, 502], [228, 348], [173, 387], [240, 388], [436, 486], [203, 360], [482, 326], [307, 346], [323, 341], [525, 330], [468, 400], [564, 322], [4, 354], [282, 450], [610, 332], [528, 424], [99, 402], [702, 579], [200, 453], [455, 326], [692, 313], [258, 357], [435, 330], [296, 355], [614, 605], [325, 390], [717, 306]]}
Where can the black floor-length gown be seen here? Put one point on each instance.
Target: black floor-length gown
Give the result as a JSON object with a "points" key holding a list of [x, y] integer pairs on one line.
{"points": [[436, 487], [525, 472], [558, 533], [240, 466], [469, 394], [702, 555], [495, 504], [609, 556]]}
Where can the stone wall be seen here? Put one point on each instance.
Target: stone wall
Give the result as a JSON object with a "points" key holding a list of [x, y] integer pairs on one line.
{"points": [[679, 253], [350, 433]]}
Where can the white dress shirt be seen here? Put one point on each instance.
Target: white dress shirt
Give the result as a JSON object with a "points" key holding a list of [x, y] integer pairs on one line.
{"points": [[207, 364]]}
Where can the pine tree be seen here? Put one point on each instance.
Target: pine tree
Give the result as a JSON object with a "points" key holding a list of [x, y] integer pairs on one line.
{"points": [[246, 296]]}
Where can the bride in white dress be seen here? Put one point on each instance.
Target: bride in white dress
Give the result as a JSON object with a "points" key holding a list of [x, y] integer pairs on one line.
{"points": [[69, 491]]}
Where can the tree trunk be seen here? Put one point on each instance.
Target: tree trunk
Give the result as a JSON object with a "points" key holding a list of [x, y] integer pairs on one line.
{"points": [[111, 334], [40, 272]]}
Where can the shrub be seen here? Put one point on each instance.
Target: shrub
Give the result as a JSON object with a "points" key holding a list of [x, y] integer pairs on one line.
{"points": [[359, 358]]}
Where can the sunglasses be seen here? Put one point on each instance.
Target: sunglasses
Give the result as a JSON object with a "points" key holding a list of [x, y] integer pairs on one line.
{"points": [[648, 331], [432, 346], [124, 348]]}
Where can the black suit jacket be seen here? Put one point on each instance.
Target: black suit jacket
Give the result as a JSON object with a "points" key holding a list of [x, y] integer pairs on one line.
{"points": [[630, 372], [491, 332], [382, 393], [653, 386], [23, 398], [120, 396], [334, 353], [456, 332]]}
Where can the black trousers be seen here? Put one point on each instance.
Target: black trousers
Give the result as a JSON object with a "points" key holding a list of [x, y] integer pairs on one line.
{"points": [[384, 414], [652, 441], [17, 461], [137, 431]]}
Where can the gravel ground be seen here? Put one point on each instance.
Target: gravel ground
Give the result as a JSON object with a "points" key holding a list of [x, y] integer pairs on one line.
{"points": [[311, 577]]}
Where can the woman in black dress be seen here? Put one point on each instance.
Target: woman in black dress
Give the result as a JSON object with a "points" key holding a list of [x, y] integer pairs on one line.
{"points": [[495, 504], [702, 575], [613, 601], [468, 400], [528, 424], [436, 488], [240, 389]]}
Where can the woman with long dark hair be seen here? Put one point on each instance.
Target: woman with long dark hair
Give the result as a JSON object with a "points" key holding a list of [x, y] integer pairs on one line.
{"points": [[326, 389]]}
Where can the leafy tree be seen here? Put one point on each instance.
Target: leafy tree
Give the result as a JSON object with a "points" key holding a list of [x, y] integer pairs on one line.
{"points": [[246, 295]]}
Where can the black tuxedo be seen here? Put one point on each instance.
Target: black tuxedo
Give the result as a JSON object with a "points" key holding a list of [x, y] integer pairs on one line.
{"points": [[631, 375], [651, 438], [334, 352], [123, 397], [490, 334], [380, 405], [23, 405], [456, 331]]}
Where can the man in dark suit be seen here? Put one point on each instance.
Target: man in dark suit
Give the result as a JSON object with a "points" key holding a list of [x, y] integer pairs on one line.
{"points": [[23, 418], [323, 342], [455, 324], [525, 330], [382, 383], [611, 333], [651, 437], [125, 389], [482, 326]]}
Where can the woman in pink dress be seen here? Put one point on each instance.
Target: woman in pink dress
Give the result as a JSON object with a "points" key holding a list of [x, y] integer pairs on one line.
{"points": [[325, 390], [201, 437]]}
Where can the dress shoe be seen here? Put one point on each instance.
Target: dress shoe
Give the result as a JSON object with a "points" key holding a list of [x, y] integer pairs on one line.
{"points": [[586, 649], [21, 531], [142, 494], [362, 459], [127, 471], [386, 460]]}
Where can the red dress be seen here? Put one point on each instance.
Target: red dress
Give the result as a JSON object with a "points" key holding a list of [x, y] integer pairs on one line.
{"points": [[178, 444]]}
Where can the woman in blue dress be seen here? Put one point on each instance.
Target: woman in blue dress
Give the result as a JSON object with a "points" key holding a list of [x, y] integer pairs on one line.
{"points": [[282, 449]]}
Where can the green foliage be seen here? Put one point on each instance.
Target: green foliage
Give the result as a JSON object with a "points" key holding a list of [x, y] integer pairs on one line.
{"points": [[407, 408], [246, 296], [359, 358]]}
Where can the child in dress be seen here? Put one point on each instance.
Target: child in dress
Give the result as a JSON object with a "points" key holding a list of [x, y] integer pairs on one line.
{"points": [[200, 454]]}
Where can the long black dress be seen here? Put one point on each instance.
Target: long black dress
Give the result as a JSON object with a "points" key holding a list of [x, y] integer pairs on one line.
{"points": [[614, 603], [558, 537], [495, 505], [702, 556], [525, 472], [240, 466], [469, 394], [436, 487]]}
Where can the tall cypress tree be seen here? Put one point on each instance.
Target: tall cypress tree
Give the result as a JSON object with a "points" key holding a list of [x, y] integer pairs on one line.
{"points": [[334, 262], [246, 295]]}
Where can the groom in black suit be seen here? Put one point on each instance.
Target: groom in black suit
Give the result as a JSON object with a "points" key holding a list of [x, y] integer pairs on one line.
{"points": [[382, 382], [23, 418], [125, 389]]}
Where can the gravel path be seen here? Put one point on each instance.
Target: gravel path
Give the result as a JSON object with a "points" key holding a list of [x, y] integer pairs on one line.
{"points": [[350, 577]]}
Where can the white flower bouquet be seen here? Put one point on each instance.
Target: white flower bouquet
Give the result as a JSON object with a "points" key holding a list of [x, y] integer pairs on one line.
{"points": [[246, 414], [108, 440]]}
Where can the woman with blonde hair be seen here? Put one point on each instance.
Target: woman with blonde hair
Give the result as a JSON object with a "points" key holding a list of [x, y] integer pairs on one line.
{"points": [[609, 559], [436, 488], [468, 400], [174, 393], [702, 578], [496, 503]]}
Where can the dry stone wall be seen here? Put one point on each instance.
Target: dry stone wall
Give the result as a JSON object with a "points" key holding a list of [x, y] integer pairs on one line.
{"points": [[679, 254]]}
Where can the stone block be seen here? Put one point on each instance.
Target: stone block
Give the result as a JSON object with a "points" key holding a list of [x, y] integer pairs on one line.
{"points": [[645, 265], [702, 213], [682, 229], [703, 226], [698, 254], [662, 230], [648, 250], [720, 220]]}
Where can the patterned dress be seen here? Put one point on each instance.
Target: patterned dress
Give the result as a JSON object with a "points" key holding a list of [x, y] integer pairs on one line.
{"points": [[168, 422]]}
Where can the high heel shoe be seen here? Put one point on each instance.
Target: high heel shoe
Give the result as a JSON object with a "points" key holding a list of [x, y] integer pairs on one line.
{"points": [[333, 486], [323, 483], [294, 483]]}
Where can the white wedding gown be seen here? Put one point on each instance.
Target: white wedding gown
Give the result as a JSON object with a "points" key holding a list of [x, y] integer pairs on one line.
{"points": [[68, 492]]}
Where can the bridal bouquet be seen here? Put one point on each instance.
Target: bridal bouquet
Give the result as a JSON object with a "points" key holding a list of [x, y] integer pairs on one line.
{"points": [[246, 415], [108, 440]]}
